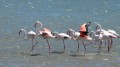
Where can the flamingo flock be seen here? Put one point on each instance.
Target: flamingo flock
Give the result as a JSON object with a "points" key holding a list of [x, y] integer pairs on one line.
{"points": [[97, 36]]}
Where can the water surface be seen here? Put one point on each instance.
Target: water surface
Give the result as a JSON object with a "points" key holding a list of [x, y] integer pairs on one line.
{"points": [[57, 15]]}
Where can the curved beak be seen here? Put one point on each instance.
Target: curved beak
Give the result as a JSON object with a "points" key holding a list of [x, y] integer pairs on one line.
{"points": [[35, 25], [20, 32], [89, 23], [96, 27]]}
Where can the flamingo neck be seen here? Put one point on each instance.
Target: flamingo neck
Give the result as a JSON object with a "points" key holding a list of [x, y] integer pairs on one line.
{"points": [[71, 32], [100, 28], [24, 32], [38, 29]]}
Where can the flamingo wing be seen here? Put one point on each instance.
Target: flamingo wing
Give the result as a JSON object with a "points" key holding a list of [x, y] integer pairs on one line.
{"points": [[113, 32], [83, 28], [47, 30]]}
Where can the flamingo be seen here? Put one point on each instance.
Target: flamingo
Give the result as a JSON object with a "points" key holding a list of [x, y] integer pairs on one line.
{"points": [[107, 35], [84, 35], [74, 35], [45, 33], [61, 36], [86, 38], [35, 25], [99, 30], [104, 36], [96, 38], [30, 34], [113, 32]]}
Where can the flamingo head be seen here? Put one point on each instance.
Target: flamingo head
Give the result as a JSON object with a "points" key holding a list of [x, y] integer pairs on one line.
{"points": [[69, 31], [37, 22], [54, 33], [89, 23], [98, 26], [23, 31], [20, 32]]}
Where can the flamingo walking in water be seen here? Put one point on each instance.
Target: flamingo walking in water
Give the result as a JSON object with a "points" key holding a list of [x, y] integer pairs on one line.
{"points": [[113, 32], [29, 35], [82, 35], [62, 36], [74, 35], [37, 29], [96, 38], [45, 33], [106, 36], [85, 39]]}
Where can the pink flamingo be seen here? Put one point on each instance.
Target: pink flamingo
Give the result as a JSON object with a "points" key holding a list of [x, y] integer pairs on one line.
{"points": [[113, 32], [75, 35], [61, 36], [32, 35], [85, 39], [35, 25], [82, 35], [45, 33], [106, 35], [95, 37]]}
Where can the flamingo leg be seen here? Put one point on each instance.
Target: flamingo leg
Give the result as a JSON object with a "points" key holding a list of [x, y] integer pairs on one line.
{"points": [[108, 46], [89, 43], [78, 46], [84, 48], [33, 46], [99, 42], [95, 42], [105, 43], [99, 49], [111, 44], [48, 45], [31, 51], [64, 46]]}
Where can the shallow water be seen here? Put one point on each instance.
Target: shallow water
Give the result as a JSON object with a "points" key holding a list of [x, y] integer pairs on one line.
{"points": [[57, 15]]}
